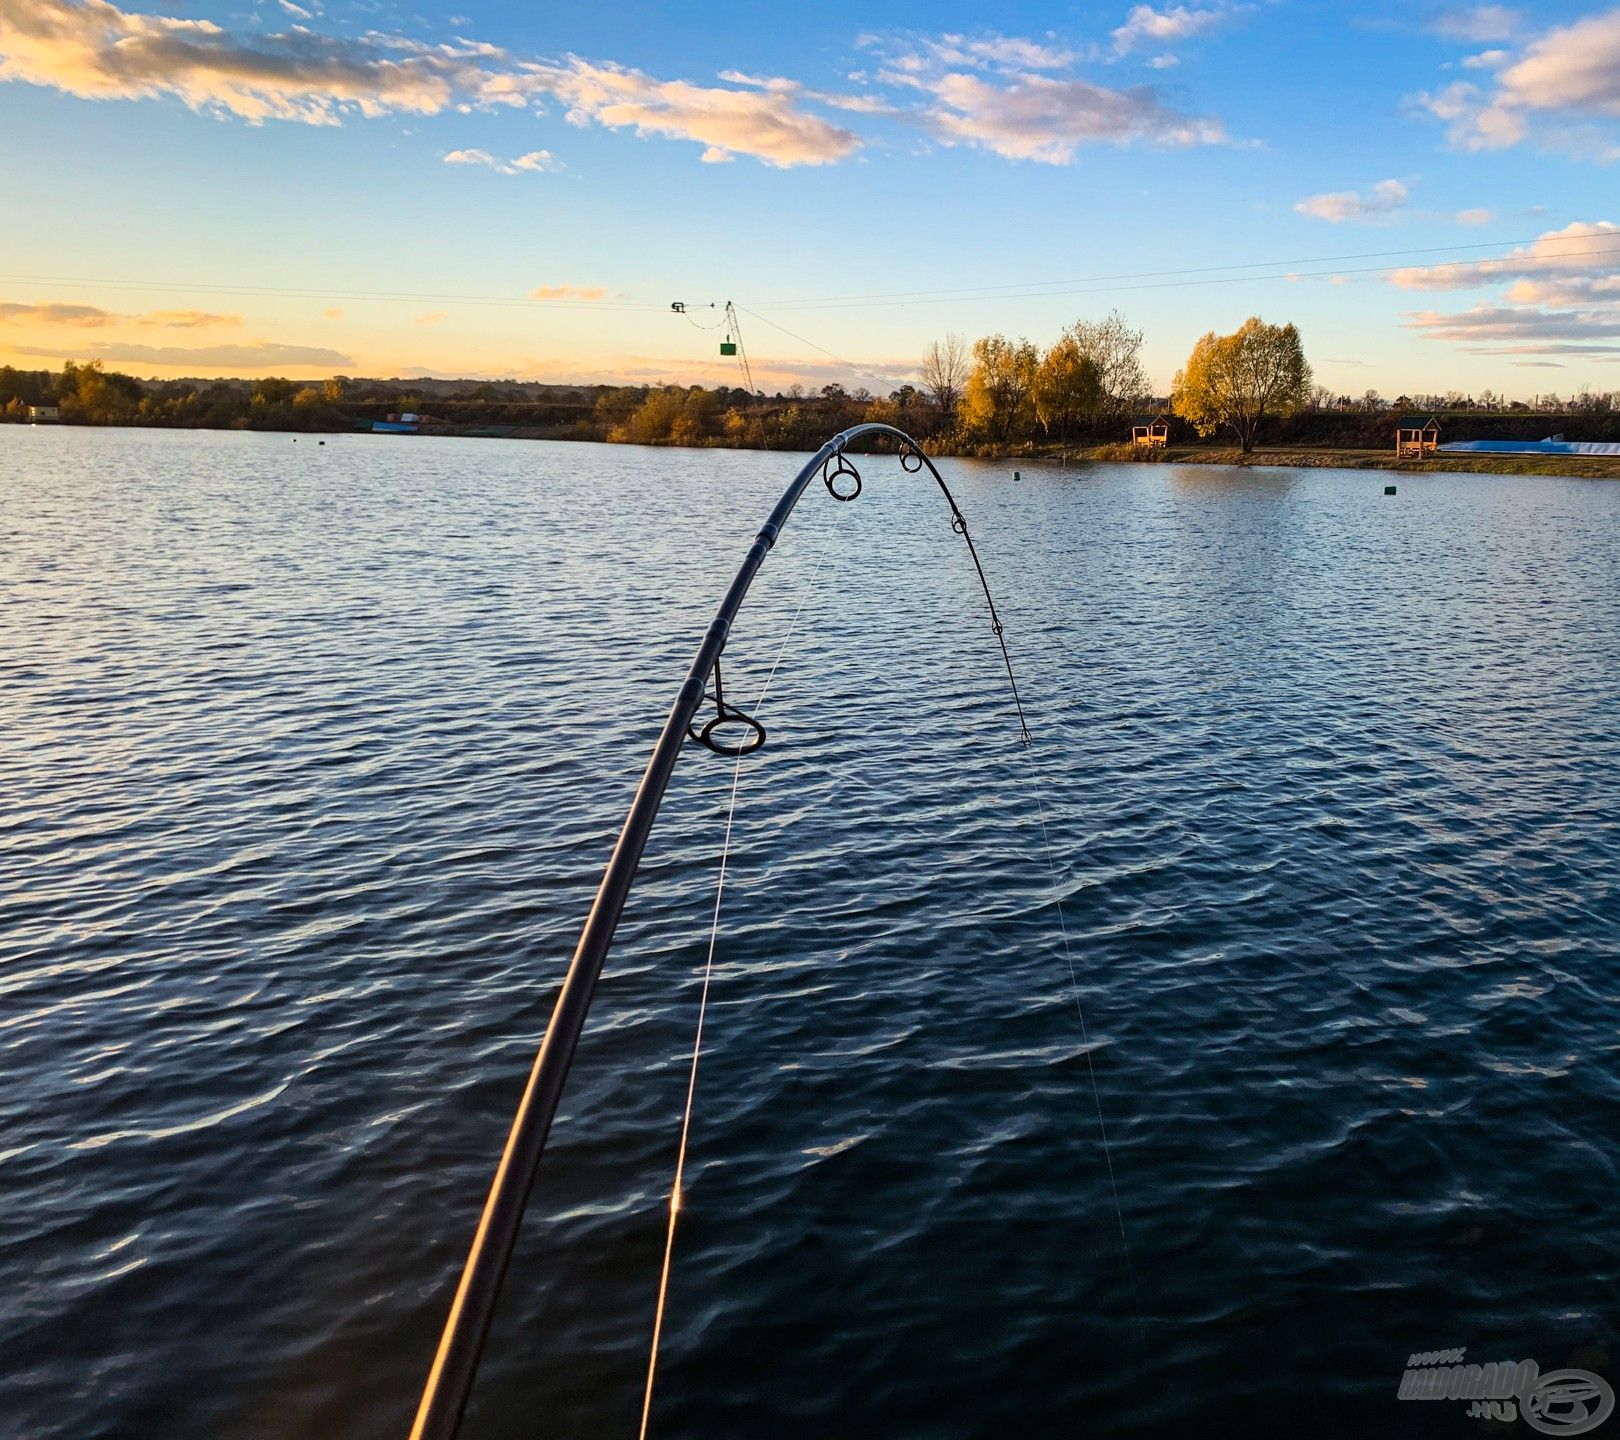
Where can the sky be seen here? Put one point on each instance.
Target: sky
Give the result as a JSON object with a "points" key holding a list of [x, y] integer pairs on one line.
{"points": [[365, 187]]}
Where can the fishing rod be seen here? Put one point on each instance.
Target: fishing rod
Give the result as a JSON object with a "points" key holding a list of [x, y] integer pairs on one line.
{"points": [[450, 1381]]}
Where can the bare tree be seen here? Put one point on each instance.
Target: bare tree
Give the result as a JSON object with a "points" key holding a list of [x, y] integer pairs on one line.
{"points": [[945, 367], [1116, 351]]}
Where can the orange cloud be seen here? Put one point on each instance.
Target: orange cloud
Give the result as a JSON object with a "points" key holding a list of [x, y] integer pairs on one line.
{"points": [[255, 355], [93, 317], [186, 319], [568, 292]]}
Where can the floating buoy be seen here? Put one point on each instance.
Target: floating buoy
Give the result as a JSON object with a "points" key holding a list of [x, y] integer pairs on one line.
{"points": [[1389, 489], [1017, 475], [320, 442]]}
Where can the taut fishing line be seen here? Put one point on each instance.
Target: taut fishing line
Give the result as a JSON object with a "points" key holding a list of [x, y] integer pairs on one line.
{"points": [[1032, 781], [703, 997], [1091, 1069], [472, 1309], [677, 1191]]}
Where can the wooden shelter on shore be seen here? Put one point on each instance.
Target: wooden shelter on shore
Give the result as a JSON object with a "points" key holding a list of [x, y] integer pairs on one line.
{"points": [[1155, 433], [1417, 436]]}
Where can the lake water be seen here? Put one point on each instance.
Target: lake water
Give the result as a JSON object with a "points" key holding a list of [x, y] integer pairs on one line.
{"points": [[312, 756]]}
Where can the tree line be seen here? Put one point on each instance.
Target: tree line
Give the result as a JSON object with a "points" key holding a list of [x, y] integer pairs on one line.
{"points": [[992, 395]]}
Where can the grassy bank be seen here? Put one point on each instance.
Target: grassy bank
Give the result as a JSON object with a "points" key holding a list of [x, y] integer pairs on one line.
{"points": [[1587, 467]]}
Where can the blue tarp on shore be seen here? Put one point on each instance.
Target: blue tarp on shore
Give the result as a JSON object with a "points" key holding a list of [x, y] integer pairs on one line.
{"points": [[1553, 446]]}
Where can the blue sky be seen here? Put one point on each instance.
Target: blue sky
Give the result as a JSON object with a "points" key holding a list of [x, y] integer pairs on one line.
{"points": [[313, 186]]}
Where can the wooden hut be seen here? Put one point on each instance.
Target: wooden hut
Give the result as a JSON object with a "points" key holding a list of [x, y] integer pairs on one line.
{"points": [[1155, 433], [1417, 436]]}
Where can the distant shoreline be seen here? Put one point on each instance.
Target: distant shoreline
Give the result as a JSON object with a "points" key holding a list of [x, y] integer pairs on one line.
{"points": [[1583, 467], [1295, 457]]}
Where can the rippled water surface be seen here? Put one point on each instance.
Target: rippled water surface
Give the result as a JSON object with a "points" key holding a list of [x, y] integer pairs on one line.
{"points": [[312, 756]]}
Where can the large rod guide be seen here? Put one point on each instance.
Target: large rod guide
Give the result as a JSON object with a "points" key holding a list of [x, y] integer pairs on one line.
{"points": [[450, 1381]]}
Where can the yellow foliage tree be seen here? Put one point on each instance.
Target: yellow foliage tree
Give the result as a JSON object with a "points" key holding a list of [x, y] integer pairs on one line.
{"points": [[997, 400], [1068, 389], [1237, 380]]}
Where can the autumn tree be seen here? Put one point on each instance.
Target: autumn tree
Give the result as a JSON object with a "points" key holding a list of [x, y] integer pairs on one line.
{"points": [[1068, 389], [1115, 350], [1237, 380], [91, 395], [996, 401], [944, 373]]}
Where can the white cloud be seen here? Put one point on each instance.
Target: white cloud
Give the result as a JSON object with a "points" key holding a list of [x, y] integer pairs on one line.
{"points": [[1376, 205], [1582, 259], [92, 49], [1030, 114], [1478, 24], [1479, 216], [1561, 290], [1513, 331], [778, 85], [1005, 52], [1573, 68], [536, 161], [988, 51], [1038, 117], [1147, 26], [1565, 79], [1013, 95], [769, 125]]}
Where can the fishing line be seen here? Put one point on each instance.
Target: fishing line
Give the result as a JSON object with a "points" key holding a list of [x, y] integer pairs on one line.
{"points": [[1091, 1069], [703, 998], [1074, 991]]}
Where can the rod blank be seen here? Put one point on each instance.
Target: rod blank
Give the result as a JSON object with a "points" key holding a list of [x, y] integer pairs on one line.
{"points": [[455, 1365]]}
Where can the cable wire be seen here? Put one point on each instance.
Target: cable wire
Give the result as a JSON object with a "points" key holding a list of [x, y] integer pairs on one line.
{"points": [[1157, 274]]}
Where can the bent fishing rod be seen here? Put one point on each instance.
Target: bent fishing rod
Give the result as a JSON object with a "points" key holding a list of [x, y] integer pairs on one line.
{"points": [[450, 1381]]}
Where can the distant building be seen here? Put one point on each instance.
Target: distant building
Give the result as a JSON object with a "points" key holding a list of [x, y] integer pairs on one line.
{"points": [[43, 415], [1417, 435]]}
